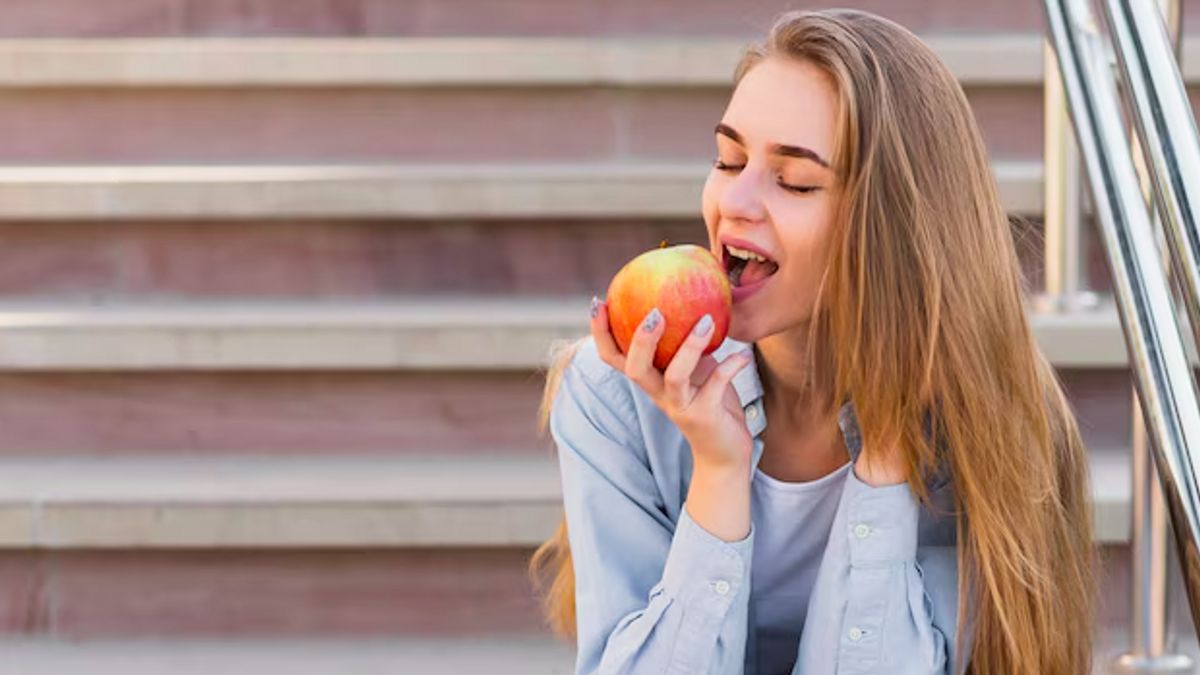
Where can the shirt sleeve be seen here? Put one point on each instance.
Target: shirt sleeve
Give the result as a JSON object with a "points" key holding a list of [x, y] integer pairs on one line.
{"points": [[651, 596], [877, 605]]}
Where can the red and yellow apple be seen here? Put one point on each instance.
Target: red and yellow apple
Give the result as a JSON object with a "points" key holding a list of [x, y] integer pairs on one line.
{"points": [[684, 282]]}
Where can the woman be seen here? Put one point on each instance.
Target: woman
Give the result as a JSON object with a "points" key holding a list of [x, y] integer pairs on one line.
{"points": [[877, 472]]}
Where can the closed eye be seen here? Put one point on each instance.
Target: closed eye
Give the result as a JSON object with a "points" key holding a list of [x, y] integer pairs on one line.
{"points": [[801, 189]]}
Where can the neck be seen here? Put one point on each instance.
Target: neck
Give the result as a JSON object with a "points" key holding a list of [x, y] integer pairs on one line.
{"points": [[800, 433], [784, 374]]}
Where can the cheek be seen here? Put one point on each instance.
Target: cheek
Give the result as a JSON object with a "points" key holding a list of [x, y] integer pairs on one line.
{"points": [[808, 245]]}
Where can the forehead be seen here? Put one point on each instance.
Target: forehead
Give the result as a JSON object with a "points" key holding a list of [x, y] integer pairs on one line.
{"points": [[785, 101]]}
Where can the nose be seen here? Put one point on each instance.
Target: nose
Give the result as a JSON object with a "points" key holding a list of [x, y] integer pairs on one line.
{"points": [[742, 197]]}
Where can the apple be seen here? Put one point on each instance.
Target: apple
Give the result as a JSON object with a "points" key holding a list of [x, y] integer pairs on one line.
{"points": [[684, 282]]}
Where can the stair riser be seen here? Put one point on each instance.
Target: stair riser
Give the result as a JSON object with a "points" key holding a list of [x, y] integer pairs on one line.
{"points": [[468, 592], [286, 414], [413, 592], [357, 259], [497, 125], [311, 413], [323, 259]]}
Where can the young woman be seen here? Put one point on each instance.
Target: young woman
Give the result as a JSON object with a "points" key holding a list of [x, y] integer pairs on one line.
{"points": [[878, 471]]}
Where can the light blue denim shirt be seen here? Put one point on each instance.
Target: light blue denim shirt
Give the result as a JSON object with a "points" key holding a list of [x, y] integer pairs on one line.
{"points": [[657, 593]]}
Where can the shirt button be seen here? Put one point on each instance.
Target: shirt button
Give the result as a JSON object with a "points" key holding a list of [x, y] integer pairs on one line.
{"points": [[721, 587], [752, 412], [856, 634], [862, 531]]}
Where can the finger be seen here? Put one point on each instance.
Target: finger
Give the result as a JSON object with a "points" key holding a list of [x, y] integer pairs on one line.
{"points": [[704, 368], [606, 344], [677, 378], [714, 388], [639, 361]]}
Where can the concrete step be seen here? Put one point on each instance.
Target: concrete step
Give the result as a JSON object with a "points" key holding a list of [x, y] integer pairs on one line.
{"points": [[442, 191], [608, 61], [292, 413], [335, 501], [355, 260], [395, 655], [347, 101], [509, 656], [183, 549], [328, 502], [307, 125], [610, 98], [417, 334], [455, 413], [127, 18], [1011, 59], [442, 62]]}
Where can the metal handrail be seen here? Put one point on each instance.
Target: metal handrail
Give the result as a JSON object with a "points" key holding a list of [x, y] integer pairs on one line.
{"points": [[1162, 373], [1167, 131]]}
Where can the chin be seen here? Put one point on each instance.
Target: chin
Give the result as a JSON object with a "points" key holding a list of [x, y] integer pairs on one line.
{"points": [[742, 332]]}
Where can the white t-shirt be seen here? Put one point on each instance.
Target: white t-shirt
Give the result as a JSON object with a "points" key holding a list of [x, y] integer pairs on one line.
{"points": [[792, 523]]}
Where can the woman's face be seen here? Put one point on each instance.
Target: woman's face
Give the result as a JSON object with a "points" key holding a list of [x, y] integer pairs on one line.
{"points": [[771, 190]]}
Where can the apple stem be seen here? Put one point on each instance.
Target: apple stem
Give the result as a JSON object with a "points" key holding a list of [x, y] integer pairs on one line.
{"points": [[662, 244]]}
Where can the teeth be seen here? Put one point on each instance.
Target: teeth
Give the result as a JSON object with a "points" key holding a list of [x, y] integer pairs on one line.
{"points": [[744, 254]]}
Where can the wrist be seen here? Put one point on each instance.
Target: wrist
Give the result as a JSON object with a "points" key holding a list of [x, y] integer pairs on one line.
{"points": [[719, 501]]}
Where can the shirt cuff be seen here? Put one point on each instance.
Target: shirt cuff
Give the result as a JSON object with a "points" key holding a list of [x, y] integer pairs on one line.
{"points": [[881, 522], [701, 564]]}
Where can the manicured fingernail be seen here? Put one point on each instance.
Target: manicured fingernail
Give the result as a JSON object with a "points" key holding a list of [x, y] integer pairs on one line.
{"points": [[652, 320], [595, 306], [704, 326]]}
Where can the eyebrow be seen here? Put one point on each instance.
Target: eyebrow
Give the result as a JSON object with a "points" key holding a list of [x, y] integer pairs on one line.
{"points": [[776, 148]]}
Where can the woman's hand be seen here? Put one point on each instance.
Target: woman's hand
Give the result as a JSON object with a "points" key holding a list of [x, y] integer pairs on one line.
{"points": [[694, 391]]}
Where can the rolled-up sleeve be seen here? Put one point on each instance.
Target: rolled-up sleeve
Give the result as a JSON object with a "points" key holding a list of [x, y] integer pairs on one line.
{"points": [[871, 609], [652, 596]]}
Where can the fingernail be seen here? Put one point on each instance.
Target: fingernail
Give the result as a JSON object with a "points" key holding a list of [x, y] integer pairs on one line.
{"points": [[595, 306], [652, 320], [704, 326]]}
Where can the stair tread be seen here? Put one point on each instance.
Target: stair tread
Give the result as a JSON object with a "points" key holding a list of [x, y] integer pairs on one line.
{"points": [[336, 500], [273, 502], [986, 59], [473, 333], [534, 655], [249, 479], [602, 189], [460, 61]]}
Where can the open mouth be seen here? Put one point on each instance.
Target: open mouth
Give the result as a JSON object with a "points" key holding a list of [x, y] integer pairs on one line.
{"points": [[745, 267]]}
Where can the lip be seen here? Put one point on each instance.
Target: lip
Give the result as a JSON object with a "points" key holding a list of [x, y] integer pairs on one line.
{"points": [[741, 293]]}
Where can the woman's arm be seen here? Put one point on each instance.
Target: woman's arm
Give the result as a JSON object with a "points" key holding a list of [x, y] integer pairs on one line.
{"points": [[876, 605], [652, 596]]}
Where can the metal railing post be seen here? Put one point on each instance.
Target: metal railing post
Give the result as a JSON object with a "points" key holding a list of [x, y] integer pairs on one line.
{"points": [[1148, 625], [1062, 209]]}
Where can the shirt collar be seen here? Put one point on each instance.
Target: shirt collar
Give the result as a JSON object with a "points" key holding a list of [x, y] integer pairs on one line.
{"points": [[749, 388], [746, 383]]}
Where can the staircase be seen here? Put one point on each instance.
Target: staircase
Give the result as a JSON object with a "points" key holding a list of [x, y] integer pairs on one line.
{"points": [[278, 276]]}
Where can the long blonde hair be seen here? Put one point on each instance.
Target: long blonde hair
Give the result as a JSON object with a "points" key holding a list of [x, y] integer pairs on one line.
{"points": [[923, 297]]}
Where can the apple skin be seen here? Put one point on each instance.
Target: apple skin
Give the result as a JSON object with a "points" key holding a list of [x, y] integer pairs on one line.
{"points": [[684, 282]]}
